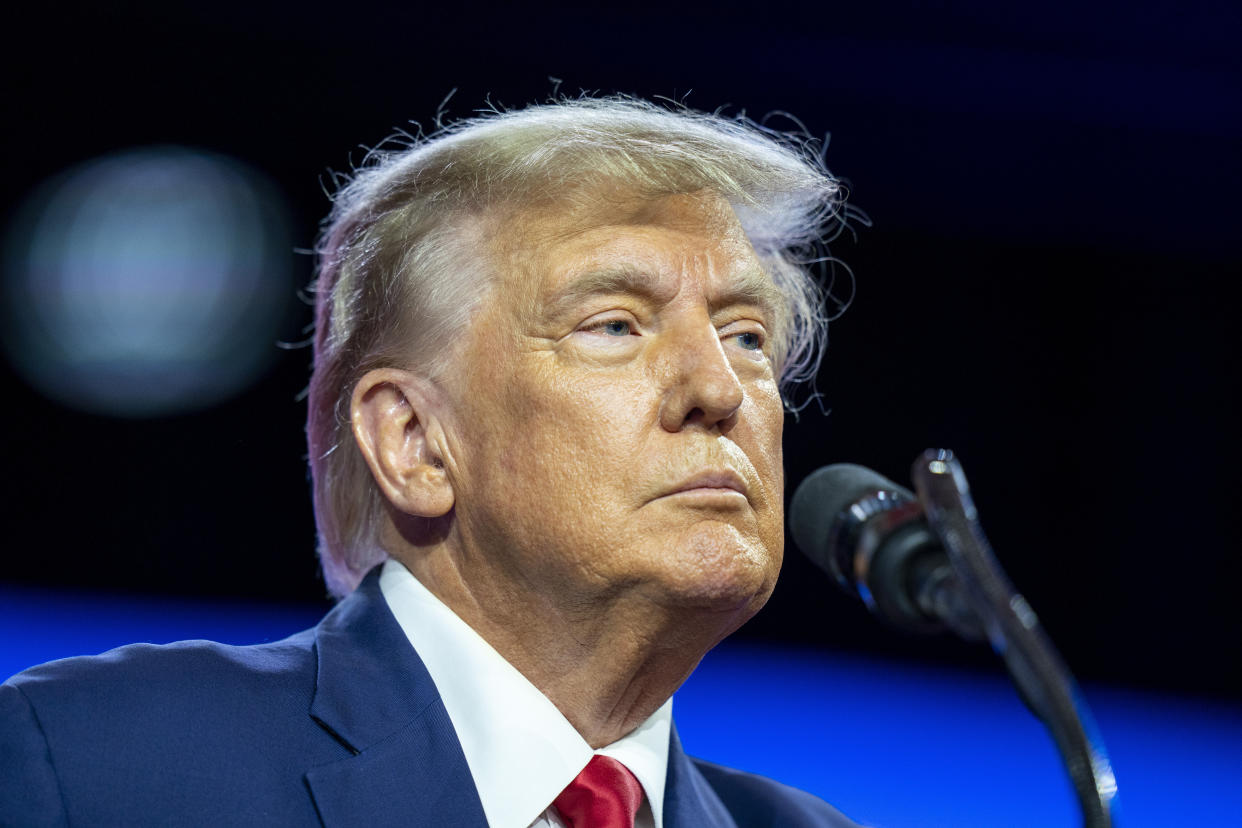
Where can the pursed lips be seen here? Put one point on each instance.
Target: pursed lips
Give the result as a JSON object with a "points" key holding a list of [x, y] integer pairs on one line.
{"points": [[721, 481]]}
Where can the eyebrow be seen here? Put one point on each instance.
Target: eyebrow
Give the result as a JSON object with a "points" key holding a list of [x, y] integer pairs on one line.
{"points": [[751, 286]]}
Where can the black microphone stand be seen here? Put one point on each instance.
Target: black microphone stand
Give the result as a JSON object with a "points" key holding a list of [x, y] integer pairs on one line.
{"points": [[1034, 665]]}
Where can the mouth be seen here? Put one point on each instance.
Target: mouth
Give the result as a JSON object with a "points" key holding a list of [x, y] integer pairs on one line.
{"points": [[712, 483]]}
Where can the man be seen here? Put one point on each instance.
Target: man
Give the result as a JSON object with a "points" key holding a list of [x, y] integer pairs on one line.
{"points": [[545, 433]]}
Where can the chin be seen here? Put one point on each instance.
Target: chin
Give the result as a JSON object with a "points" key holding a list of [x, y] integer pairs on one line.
{"points": [[718, 567]]}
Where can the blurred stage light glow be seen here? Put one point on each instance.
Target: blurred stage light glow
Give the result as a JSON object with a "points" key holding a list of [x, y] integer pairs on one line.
{"points": [[146, 283]]}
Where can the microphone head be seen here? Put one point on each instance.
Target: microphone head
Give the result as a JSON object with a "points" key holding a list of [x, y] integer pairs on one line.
{"points": [[822, 497]]}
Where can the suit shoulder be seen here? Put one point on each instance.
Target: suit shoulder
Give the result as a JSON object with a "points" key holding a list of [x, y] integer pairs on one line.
{"points": [[139, 672], [213, 733], [755, 800]]}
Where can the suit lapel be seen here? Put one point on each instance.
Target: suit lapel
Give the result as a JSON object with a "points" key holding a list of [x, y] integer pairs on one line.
{"points": [[688, 800], [375, 697]]}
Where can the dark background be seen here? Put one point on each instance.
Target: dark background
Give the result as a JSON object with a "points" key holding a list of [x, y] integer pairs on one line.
{"points": [[1048, 287]]}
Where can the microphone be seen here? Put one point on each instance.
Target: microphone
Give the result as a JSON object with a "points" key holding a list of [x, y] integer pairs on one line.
{"points": [[872, 537], [875, 539]]}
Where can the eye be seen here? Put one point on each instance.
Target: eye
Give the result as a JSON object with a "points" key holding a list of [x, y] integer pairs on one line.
{"points": [[612, 327], [749, 340]]}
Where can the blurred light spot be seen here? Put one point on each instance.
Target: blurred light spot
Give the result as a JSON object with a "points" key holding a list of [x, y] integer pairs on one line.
{"points": [[146, 283]]}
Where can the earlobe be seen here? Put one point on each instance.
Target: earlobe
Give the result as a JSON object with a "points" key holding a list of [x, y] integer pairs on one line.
{"points": [[392, 414]]}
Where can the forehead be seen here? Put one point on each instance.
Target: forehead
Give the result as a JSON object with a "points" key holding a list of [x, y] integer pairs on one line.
{"points": [[543, 249]]}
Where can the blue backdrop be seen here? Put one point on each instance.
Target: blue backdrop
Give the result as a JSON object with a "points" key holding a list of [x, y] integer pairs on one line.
{"points": [[891, 744]]}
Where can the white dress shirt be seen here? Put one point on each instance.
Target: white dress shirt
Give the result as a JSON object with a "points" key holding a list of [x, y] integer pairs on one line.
{"points": [[521, 750]]}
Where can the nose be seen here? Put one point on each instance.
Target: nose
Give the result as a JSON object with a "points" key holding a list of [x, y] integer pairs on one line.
{"points": [[702, 388]]}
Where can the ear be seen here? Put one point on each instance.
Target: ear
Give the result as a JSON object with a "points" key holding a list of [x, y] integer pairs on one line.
{"points": [[392, 413]]}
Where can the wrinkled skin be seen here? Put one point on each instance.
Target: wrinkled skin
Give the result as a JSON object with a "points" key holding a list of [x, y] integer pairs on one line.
{"points": [[611, 436], [571, 435]]}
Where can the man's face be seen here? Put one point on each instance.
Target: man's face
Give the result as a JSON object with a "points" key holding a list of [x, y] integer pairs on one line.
{"points": [[616, 422]]}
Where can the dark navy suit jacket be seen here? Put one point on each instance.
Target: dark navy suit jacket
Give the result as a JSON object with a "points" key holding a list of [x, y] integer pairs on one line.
{"points": [[339, 725]]}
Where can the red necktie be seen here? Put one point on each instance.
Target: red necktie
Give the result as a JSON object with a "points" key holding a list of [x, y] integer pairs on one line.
{"points": [[604, 795]]}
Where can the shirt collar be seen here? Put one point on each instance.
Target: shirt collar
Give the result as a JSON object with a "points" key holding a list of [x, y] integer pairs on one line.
{"points": [[521, 750]]}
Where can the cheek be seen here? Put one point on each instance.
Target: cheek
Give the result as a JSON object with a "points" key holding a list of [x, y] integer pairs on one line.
{"points": [[764, 423], [571, 434], [763, 418]]}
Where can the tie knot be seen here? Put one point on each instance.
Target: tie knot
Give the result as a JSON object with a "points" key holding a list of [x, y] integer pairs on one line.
{"points": [[604, 795]]}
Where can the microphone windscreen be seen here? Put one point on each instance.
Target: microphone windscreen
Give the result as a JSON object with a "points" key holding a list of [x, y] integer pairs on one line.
{"points": [[823, 495]]}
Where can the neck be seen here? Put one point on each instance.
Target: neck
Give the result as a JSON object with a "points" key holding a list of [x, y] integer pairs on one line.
{"points": [[607, 662]]}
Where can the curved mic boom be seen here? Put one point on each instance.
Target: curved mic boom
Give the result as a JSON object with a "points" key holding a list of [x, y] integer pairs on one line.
{"points": [[922, 564]]}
